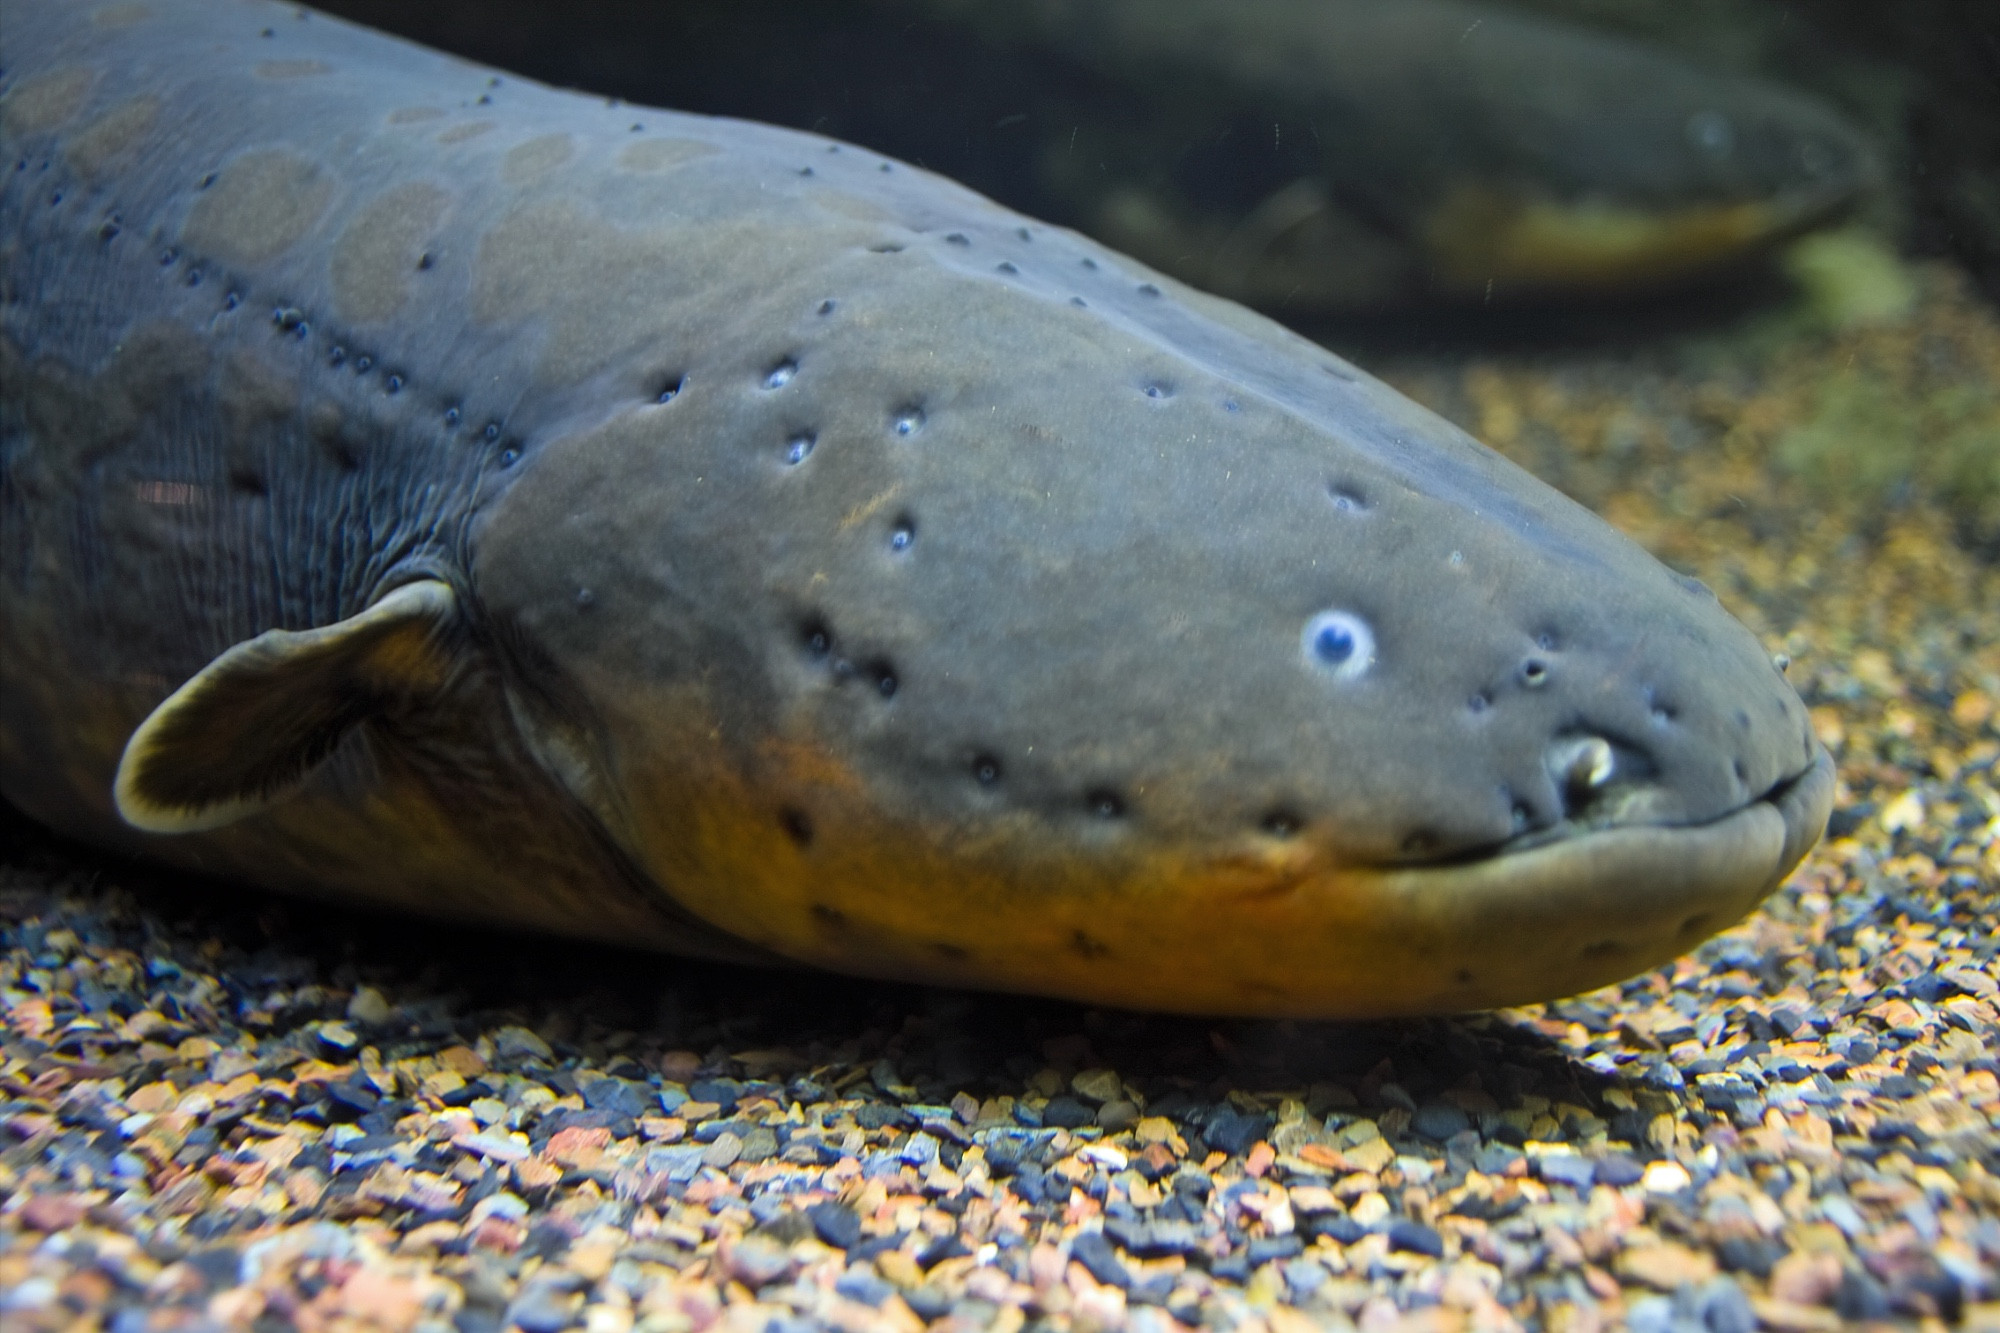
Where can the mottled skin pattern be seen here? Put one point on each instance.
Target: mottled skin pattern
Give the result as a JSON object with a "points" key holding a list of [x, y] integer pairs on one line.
{"points": [[691, 533]]}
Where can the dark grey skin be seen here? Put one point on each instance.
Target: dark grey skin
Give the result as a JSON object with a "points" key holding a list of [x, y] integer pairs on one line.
{"points": [[425, 487]]}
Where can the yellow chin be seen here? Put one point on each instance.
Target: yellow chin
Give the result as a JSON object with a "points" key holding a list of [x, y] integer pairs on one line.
{"points": [[1478, 236], [1270, 928]]}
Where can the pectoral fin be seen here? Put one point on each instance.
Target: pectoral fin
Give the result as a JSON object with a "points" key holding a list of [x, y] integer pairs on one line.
{"points": [[251, 725]]}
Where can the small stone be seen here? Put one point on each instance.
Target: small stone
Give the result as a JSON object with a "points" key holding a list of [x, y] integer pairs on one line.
{"points": [[544, 1309], [1324, 1157], [1438, 1121], [1259, 1159], [1806, 1278], [1783, 1316], [860, 1284], [338, 1038], [462, 1060], [368, 1006], [900, 1267], [723, 1151], [1416, 1238], [928, 1301], [1724, 1308], [1097, 1085], [835, 1224], [1665, 1178], [1905, 812], [1619, 1171], [1305, 1276], [535, 1173], [757, 1261], [1567, 1168], [1650, 1314], [1233, 1132], [679, 1066], [516, 1043], [1067, 1113], [1372, 1155], [1308, 1199], [1369, 1210], [1264, 1249], [1666, 1266], [1094, 1252], [52, 1212], [1117, 1116]]}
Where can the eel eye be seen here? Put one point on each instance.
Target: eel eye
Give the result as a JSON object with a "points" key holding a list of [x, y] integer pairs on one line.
{"points": [[1339, 642]]}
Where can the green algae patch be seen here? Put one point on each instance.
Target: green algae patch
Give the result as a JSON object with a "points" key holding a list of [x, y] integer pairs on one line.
{"points": [[1872, 440], [1852, 278]]}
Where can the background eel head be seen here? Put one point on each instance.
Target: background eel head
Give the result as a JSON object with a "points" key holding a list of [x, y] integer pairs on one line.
{"points": [[1622, 167], [1019, 624]]}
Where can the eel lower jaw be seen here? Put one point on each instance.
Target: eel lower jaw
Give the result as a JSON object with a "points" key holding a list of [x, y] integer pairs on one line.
{"points": [[1274, 930], [1557, 918], [1476, 237], [1516, 926]]}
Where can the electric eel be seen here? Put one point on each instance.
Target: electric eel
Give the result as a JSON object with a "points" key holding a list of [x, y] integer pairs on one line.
{"points": [[1319, 158], [1356, 154], [430, 489]]}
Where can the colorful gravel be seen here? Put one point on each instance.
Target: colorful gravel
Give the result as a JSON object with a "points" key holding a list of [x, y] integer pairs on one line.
{"points": [[218, 1110]]}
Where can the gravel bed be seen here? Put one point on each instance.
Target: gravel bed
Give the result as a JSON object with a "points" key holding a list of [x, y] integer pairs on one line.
{"points": [[220, 1110]]}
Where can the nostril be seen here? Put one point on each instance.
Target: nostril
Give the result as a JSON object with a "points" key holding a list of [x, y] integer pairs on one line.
{"points": [[1281, 823], [1582, 766]]}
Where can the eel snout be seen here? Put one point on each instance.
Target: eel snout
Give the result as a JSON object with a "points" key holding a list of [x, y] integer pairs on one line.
{"points": [[1556, 917]]}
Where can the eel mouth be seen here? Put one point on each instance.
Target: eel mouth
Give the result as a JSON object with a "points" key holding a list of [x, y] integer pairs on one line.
{"points": [[1517, 926], [1555, 919]]}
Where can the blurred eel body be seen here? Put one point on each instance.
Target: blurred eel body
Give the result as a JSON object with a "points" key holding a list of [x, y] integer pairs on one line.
{"points": [[425, 488], [1363, 154]]}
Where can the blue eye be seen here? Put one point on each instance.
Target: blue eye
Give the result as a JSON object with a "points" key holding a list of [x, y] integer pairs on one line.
{"points": [[1339, 642], [800, 446]]}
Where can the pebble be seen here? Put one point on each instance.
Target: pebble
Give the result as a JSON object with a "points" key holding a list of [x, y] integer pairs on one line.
{"points": [[1440, 1120], [542, 1309], [218, 1109], [758, 1261], [368, 1006], [1666, 1265]]}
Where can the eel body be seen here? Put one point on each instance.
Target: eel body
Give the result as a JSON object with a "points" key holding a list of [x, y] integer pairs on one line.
{"points": [[427, 488], [1316, 159], [1438, 151]]}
